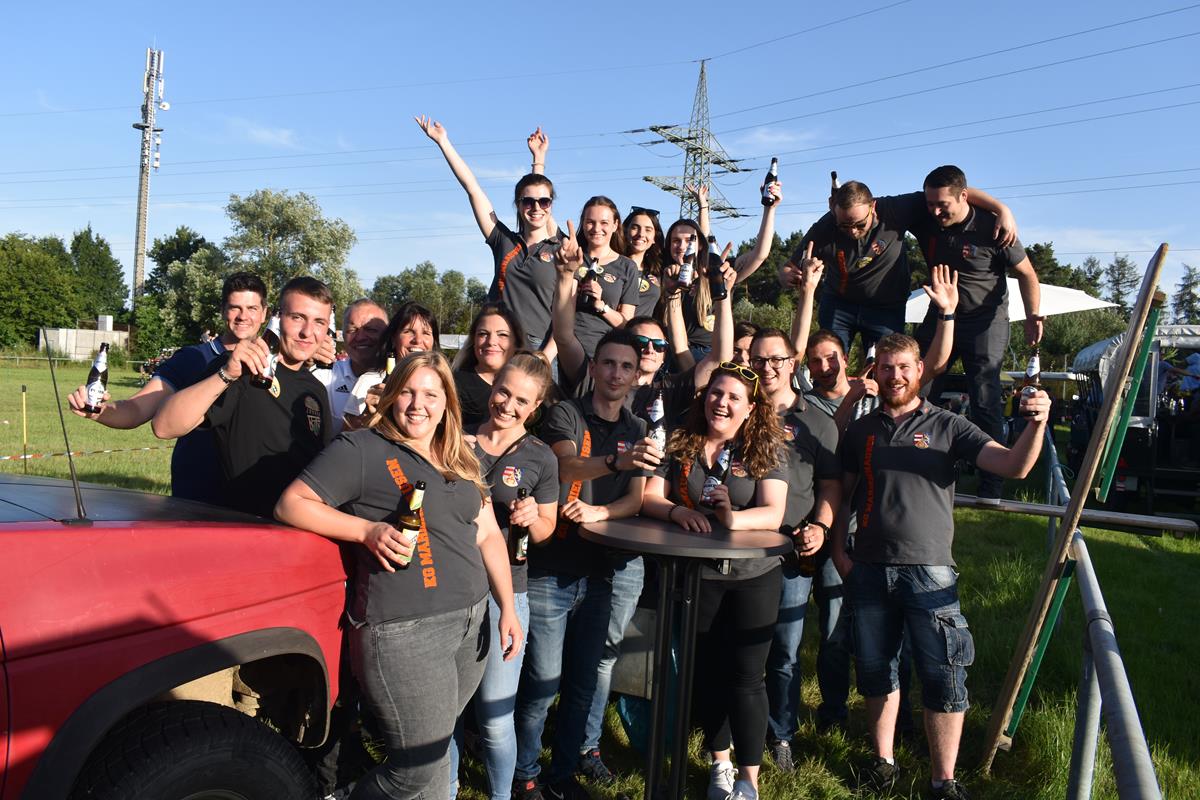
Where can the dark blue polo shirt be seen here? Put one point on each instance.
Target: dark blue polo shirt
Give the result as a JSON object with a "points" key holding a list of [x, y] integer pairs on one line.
{"points": [[195, 465]]}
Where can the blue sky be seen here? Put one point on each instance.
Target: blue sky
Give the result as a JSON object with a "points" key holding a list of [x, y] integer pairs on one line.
{"points": [[320, 98]]}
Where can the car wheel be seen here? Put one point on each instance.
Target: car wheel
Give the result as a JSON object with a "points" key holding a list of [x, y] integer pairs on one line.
{"points": [[192, 750]]}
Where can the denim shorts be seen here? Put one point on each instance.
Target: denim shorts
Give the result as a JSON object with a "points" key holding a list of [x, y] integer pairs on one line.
{"points": [[888, 597]]}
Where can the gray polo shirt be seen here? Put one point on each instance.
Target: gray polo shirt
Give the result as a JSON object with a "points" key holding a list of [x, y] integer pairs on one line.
{"points": [[811, 440], [566, 552], [618, 286], [904, 498], [872, 271], [649, 290], [359, 474], [525, 279]]}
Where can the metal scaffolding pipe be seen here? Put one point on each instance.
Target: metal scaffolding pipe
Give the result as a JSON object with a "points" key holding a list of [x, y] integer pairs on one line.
{"points": [[1132, 766], [1094, 517], [1087, 730]]}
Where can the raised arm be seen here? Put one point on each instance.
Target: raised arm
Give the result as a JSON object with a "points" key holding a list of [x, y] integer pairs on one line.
{"points": [[539, 145], [184, 410], [128, 413], [722, 338], [810, 272], [485, 215], [1017, 461], [943, 295], [752, 259], [569, 258], [701, 194]]}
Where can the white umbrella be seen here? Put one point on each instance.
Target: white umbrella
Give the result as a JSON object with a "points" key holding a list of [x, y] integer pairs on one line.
{"points": [[1055, 300]]}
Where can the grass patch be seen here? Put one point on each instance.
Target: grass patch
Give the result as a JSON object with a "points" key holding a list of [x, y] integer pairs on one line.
{"points": [[1148, 582]]}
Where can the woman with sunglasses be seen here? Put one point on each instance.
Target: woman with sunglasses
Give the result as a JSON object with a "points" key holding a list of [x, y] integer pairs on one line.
{"points": [[419, 614], [495, 335], [644, 244], [511, 460], [731, 423], [524, 276]]}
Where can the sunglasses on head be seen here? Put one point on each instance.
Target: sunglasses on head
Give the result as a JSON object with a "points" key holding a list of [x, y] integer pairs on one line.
{"points": [[541, 202], [738, 369], [639, 210], [648, 343]]}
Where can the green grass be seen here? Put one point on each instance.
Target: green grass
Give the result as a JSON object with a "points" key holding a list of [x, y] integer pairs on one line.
{"points": [[1149, 584]]}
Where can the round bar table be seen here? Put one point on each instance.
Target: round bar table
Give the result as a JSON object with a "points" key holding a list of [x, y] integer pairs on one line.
{"points": [[680, 555]]}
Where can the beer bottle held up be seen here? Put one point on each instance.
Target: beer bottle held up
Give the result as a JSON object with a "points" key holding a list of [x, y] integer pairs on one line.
{"points": [[389, 366], [716, 283], [271, 338], [518, 536], [687, 268], [768, 199], [1033, 378], [717, 477], [97, 382], [590, 271], [409, 522], [657, 415], [333, 338]]}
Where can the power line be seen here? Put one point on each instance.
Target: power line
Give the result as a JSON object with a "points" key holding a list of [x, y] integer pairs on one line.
{"points": [[822, 26]]}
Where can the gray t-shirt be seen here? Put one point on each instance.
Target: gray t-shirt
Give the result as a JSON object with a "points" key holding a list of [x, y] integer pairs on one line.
{"points": [[904, 498], [649, 290], [872, 271], [811, 440], [361, 473], [825, 404], [530, 465], [525, 279], [618, 286]]}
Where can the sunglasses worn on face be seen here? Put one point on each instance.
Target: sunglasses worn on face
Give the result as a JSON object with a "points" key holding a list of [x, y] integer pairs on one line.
{"points": [[738, 369], [861, 225], [541, 202], [647, 343], [775, 361]]}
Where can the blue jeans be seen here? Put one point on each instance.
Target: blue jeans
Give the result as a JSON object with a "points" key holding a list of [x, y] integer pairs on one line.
{"points": [[416, 676], [494, 704], [568, 621], [626, 589], [889, 599], [847, 319], [833, 656]]}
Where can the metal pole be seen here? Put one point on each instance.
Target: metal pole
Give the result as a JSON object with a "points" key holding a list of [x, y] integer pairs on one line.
{"points": [[1087, 730], [24, 432], [1132, 766], [1091, 517]]}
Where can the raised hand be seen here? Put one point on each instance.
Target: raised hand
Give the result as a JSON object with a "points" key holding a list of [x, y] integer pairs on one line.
{"points": [[811, 270], [1005, 232], [78, 399], [433, 129], [943, 288], [250, 355], [569, 257], [538, 143], [699, 192], [775, 189]]}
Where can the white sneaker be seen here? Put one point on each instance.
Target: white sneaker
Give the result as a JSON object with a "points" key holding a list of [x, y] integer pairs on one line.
{"points": [[743, 790], [720, 780]]}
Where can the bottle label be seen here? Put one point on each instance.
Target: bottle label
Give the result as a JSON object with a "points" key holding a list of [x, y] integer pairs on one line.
{"points": [[656, 410], [658, 435], [1035, 367], [95, 393], [416, 499], [710, 483], [685, 274], [411, 536]]}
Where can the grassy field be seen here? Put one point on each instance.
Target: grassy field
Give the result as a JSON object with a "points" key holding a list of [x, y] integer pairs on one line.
{"points": [[1149, 585]]}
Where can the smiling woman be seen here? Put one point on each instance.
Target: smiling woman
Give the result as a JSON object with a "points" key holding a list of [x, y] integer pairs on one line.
{"points": [[495, 335]]}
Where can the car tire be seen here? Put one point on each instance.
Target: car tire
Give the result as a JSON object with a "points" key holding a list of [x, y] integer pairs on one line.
{"points": [[191, 750]]}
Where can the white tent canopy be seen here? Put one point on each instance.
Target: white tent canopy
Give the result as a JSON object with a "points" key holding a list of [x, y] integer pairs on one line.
{"points": [[1055, 300]]}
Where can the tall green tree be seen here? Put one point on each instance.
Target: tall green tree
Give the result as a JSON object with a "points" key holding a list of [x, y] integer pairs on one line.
{"points": [[100, 276], [37, 288], [1120, 282], [166, 250], [1185, 303], [453, 298], [281, 236]]}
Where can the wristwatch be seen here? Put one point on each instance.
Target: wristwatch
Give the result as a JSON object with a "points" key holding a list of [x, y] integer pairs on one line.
{"points": [[820, 525], [602, 308], [946, 317], [610, 461], [225, 376]]}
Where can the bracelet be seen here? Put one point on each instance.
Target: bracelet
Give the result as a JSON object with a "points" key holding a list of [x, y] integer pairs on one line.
{"points": [[1038, 318], [538, 164], [946, 317], [610, 461], [225, 377], [820, 525]]}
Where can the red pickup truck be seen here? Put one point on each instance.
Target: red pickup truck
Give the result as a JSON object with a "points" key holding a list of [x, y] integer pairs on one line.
{"points": [[161, 649]]}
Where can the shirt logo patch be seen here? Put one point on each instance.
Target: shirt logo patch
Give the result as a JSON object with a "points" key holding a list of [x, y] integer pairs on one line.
{"points": [[624, 447], [644, 286], [968, 251], [275, 389], [789, 432], [343, 389], [877, 247], [511, 476], [737, 469], [312, 414], [921, 441], [545, 256], [864, 262], [610, 278]]}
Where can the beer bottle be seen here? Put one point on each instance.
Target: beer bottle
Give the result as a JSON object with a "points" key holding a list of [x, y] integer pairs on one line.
{"points": [[657, 413], [271, 337], [716, 284], [716, 478], [518, 536], [97, 381], [806, 565], [333, 338], [590, 271], [768, 199], [389, 366], [867, 404], [687, 268], [1033, 377], [409, 522]]}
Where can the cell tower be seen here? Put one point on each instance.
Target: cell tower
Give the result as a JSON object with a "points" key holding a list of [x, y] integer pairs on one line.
{"points": [[152, 92], [702, 152]]}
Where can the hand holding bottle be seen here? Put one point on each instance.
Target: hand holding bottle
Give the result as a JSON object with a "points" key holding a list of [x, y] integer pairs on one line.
{"points": [[388, 545]]}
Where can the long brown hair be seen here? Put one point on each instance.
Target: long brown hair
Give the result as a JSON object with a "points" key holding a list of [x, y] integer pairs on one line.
{"points": [[653, 258], [617, 240], [761, 434], [466, 360], [457, 460], [701, 294]]}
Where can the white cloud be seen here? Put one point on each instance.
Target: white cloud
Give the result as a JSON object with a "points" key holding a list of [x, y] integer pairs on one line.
{"points": [[510, 173], [768, 137], [44, 102], [1100, 241], [283, 138]]}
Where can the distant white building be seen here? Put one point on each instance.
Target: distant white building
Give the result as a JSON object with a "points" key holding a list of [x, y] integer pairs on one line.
{"points": [[79, 344]]}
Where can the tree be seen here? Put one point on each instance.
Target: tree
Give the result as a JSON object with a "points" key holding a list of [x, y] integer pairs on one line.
{"points": [[762, 288], [1064, 335], [1092, 274], [191, 303], [179, 246], [453, 298], [37, 288], [100, 276], [1185, 304], [1120, 282], [916, 262], [281, 236]]}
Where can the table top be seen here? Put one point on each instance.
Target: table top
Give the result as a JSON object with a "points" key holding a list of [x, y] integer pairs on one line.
{"points": [[656, 537]]}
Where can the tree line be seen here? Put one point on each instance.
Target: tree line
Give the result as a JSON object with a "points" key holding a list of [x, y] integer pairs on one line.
{"points": [[46, 282]]}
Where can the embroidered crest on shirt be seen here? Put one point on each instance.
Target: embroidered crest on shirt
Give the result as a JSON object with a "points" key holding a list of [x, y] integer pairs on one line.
{"points": [[877, 247], [546, 256], [968, 250], [789, 432], [644, 286], [737, 469], [312, 414], [511, 476], [275, 389], [610, 278], [623, 447], [921, 440]]}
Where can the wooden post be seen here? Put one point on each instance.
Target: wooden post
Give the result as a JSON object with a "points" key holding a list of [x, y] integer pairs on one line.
{"points": [[1002, 711]]}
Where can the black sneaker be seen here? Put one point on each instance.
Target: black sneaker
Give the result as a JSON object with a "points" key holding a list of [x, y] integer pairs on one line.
{"points": [[592, 767], [950, 790], [570, 789], [781, 754], [879, 778], [526, 790]]}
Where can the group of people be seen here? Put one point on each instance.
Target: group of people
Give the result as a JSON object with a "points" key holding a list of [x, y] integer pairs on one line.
{"points": [[599, 383]]}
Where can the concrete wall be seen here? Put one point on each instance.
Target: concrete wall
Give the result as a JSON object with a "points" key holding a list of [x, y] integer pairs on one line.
{"points": [[79, 345]]}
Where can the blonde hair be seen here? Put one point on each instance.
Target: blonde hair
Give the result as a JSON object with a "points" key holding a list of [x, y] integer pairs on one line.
{"points": [[457, 460]]}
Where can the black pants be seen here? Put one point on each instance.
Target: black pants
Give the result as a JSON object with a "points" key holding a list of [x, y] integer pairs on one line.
{"points": [[735, 627]]}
